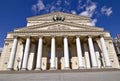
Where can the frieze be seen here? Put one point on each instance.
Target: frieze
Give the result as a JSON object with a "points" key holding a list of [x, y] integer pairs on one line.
{"points": [[58, 27], [9, 40], [58, 33], [60, 23]]}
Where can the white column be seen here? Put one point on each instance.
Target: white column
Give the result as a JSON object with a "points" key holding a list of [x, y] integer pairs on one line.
{"points": [[117, 49], [26, 52], [97, 55], [105, 52], [92, 52], [12, 55], [87, 57], [39, 54], [66, 53], [21, 56], [52, 66], [79, 52], [30, 64]]}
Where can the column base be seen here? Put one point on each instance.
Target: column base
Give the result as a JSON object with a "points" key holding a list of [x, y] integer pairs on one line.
{"points": [[23, 69], [108, 67], [38, 69], [10, 69], [67, 68], [81, 68], [52, 68], [95, 67]]}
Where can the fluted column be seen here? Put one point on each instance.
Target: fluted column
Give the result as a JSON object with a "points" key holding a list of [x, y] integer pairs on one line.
{"points": [[105, 52], [79, 52], [20, 56], [30, 63], [39, 54], [97, 55], [12, 55], [52, 53], [66, 53], [86, 54], [26, 52], [92, 52]]}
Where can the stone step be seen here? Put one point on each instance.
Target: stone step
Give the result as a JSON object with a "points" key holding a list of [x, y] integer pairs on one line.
{"points": [[67, 76], [63, 71]]}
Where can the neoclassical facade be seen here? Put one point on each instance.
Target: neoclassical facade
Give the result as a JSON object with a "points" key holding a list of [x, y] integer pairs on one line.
{"points": [[116, 42], [58, 41]]}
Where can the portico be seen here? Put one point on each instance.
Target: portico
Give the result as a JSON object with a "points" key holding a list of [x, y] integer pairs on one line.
{"points": [[58, 41], [58, 52]]}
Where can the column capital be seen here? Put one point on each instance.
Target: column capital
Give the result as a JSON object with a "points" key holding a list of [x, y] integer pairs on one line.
{"points": [[28, 36], [15, 37], [101, 35], [53, 36], [65, 36], [78, 36], [40, 36], [90, 36]]}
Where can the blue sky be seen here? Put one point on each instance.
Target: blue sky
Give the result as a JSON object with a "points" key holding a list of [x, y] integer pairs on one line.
{"points": [[104, 13]]}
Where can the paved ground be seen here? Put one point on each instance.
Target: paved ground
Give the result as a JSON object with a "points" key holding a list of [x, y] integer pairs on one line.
{"points": [[74, 76]]}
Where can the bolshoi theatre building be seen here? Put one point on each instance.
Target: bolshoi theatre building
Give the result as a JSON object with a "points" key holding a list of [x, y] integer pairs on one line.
{"points": [[58, 41]]}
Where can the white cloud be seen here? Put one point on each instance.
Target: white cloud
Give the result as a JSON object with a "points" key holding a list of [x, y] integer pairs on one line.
{"points": [[79, 1], [1, 49], [84, 13], [106, 11], [58, 2], [89, 10], [73, 12], [39, 6], [67, 2], [93, 22]]}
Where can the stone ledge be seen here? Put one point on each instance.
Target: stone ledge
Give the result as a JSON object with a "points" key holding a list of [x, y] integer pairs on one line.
{"points": [[61, 71]]}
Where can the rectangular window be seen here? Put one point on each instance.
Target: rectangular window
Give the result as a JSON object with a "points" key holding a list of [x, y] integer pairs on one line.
{"points": [[49, 54]]}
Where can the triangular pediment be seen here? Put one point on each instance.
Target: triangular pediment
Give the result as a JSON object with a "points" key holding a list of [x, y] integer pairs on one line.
{"points": [[51, 17], [58, 21], [60, 26]]}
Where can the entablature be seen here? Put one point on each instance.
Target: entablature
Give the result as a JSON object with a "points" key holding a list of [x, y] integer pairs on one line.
{"points": [[59, 24]]}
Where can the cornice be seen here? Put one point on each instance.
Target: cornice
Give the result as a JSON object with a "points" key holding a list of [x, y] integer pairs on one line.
{"points": [[48, 33], [60, 23], [58, 31], [107, 38], [8, 39], [57, 13]]}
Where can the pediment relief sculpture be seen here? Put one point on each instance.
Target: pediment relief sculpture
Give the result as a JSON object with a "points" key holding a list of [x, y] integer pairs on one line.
{"points": [[58, 27]]}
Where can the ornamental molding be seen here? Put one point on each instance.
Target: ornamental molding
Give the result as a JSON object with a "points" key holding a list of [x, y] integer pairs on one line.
{"points": [[47, 24], [67, 15], [57, 33], [58, 27], [9, 39]]}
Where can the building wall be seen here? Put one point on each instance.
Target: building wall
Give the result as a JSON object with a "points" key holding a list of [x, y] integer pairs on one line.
{"points": [[84, 29]]}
